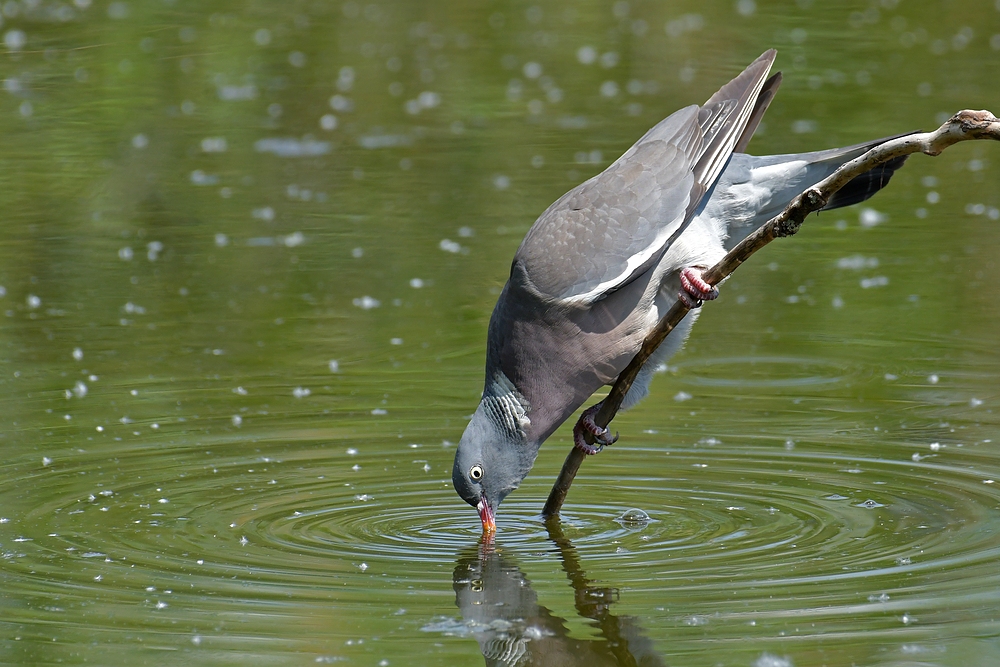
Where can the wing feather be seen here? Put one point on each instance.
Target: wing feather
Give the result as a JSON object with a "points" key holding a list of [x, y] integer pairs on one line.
{"points": [[607, 231]]}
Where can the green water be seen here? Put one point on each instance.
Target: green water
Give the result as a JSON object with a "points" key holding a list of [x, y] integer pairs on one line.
{"points": [[248, 253]]}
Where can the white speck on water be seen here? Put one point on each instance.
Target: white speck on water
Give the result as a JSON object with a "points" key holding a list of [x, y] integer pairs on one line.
{"points": [[244, 541], [341, 103], [366, 302], [200, 561], [769, 659], [297, 59], [695, 621], [427, 467], [933, 378], [869, 217], [237, 420], [396, 341], [221, 240], [199, 177], [300, 392], [355, 467], [907, 619], [364, 497], [196, 640], [416, 283], [870, 504], [682, 396], [265, 213], [903, 560], [100, 429], [79, 389], [140, 141], [98, 578], [933, 197], [262, 37], [15, 40], [294, 240], [380, 411], [975, 402], [876, 281], [363, 567], [214, 145], [857, 262], [587, 55], [988, 481], [334, 366], [328, 122], [291, 147], [46, 461], [804, 126], [33, 301], [609, 89], [163, 501], [501, 182], [916, 457], [234, 93], [935, 446], [450, 246], [746, 8], [351, 451], [161, 605]]}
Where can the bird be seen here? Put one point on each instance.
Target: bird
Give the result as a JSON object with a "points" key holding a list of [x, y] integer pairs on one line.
{"points": [[605, 261]]}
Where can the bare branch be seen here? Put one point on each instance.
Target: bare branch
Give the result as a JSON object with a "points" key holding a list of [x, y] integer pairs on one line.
{"points": [[963, 126]]}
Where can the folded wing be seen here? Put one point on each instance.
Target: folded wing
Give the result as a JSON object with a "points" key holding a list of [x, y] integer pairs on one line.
{"points": [[605, 232]]}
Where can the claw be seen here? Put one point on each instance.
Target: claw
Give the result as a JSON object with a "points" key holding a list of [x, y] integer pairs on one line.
{"points": [[586, 424], [694, 289]]}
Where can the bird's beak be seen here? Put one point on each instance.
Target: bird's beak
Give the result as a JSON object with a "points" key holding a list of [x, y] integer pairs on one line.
{"points": [[486, 516]]}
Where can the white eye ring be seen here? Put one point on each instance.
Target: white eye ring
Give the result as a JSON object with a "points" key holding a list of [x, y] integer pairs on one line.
{"points": [[476, 472]]}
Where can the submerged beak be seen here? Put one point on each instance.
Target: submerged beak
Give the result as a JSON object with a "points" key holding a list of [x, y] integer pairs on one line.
{"points": [[486, 516]]}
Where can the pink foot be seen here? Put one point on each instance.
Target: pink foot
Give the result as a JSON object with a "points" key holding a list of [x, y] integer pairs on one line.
{"points": [[586, 424], [694, 290]]}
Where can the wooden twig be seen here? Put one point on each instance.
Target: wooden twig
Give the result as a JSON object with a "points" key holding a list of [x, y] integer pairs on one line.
{"points": [[963, 126]]}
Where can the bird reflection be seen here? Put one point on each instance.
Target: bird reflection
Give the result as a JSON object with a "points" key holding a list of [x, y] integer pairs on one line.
{"points": [[502, 611]]}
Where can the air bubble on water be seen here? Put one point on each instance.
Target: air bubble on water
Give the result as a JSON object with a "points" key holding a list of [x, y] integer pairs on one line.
{"points": [[835, 496], [380, 411], [395, 341], [244, 541], [351, 451], [363, 566], [916, 458], [355, 467], [903, 560], [46, 461], [163, 501], [633, 518], [881, 597], [33, 301], [364, 497], [427, 467], [79, 389], [870, 504], [907, 619], [237, 420], [933, 378], [975, 402], [682, 396], [300, 392], [334, 366]]}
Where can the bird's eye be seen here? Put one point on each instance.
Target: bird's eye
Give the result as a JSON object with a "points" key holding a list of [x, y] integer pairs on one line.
{"points": [[476, 472]]}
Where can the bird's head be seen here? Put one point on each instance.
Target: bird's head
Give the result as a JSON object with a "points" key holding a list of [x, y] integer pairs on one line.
{"points": [[492, 458]]}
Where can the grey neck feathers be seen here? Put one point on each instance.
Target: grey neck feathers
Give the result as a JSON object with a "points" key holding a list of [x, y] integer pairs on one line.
{"points": [[506, 407]]}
